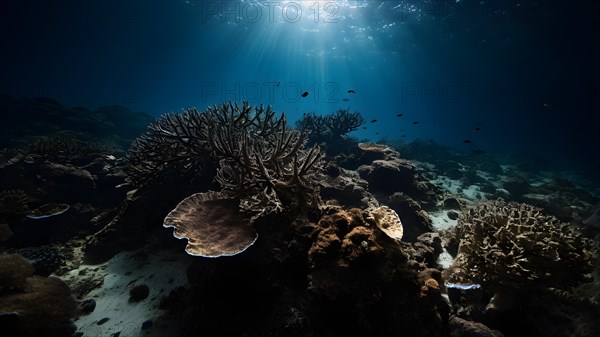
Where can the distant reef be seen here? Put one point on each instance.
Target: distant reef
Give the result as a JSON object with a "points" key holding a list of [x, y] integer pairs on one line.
{"points": [[25, 119]]}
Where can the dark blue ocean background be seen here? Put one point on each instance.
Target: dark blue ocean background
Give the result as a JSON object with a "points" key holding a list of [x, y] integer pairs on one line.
{"points": [[524, 72]]}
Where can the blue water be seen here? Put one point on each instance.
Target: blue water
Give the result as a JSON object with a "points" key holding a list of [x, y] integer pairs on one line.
{"points": [[524, 72]]}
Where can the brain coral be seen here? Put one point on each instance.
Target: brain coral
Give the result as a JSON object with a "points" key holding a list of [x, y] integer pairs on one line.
{"points": [[355, 249], [515, 244]]}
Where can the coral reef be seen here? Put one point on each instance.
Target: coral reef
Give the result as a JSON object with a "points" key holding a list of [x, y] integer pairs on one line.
{"points": [[347, 189], [64, 149], [517, 245], [31, 119], [394, 174]]}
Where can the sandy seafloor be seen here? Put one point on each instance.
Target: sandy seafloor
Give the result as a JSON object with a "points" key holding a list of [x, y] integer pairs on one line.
{"points": [[162, 272]]}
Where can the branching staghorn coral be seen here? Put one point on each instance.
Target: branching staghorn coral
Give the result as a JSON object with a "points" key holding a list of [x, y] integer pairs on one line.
{"points": [[343, 121], [261, 160], [258, 158], [175, 143], [329, 127], [315, 127]]}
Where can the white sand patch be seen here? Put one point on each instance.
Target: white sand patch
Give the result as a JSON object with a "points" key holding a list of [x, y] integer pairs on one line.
{"points": [[445, 260], [450, 185], [453, 186], [441, 221], [472, 193], [161, 271], [491, 178]]}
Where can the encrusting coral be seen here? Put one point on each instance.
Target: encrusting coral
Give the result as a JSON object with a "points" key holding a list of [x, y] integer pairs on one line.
{"points": [[517, 245]]}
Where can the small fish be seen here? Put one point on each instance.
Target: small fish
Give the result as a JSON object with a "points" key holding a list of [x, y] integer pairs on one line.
{"points": [[403, 136], [364, 127], [477, 152], [373, 121], [415, 123], [466, 141], [351, 91], [547, 105], [304, 94], [376, 133], [278, 83], [399, 115], [477, 129], [345, 99]]}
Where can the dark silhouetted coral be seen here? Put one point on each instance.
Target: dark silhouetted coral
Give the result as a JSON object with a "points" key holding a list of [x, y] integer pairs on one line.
{"points": [[329, 128], [14, 270], [394, 174], [44, 308], [61, 149], [36, 118], [13, 202]]}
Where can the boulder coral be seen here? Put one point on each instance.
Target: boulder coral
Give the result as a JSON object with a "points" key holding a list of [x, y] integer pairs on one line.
{"points": [[14, 270], [348, 241], [32, 305]]}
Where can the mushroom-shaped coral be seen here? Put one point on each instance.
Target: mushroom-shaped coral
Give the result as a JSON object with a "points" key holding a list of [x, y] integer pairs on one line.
{"points": [[388, 221], [212, 225], [48, 210], [371, 152], [514, 244]]}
